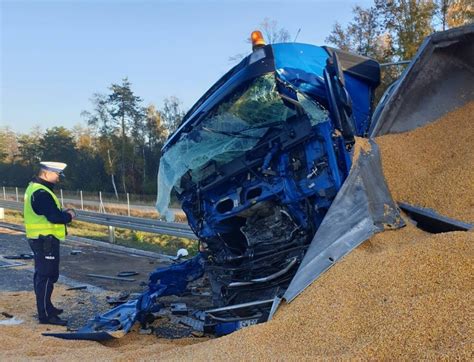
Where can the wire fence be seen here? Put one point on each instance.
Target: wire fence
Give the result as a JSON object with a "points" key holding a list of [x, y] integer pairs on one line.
{"points": [[97, 201], [103, 202]]}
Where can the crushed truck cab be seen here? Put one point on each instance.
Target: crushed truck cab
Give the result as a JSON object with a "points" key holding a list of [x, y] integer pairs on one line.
{"points": [[258, 161]]}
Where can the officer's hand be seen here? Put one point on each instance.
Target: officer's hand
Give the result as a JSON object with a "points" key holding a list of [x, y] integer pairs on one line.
{"points": [[72, 213]]}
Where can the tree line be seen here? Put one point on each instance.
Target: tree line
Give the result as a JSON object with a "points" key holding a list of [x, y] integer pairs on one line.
{"points": [[117, 150], [392, 30]]}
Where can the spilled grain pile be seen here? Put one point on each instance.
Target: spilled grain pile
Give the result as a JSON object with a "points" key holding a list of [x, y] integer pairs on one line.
{"points": [[433, 166], [403, 293]]}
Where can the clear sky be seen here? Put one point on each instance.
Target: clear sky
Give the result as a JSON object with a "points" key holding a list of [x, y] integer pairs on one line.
{"points": [[55, 54]]}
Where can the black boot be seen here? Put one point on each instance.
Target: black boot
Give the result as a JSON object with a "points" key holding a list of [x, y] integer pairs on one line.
{"points": [[56, 311], [55, 320]]}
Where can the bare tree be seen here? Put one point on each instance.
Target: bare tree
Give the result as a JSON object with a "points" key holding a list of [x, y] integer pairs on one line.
{"points": [[172, 114], [339, 37], [442, 7], [9, 147], [273, 33]]}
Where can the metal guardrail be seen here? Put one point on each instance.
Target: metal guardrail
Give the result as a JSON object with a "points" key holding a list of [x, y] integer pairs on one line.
{"points": [[124, 222]]}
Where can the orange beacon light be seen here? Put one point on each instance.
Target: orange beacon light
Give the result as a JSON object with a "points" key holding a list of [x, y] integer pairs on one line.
{"points": [[257, 39]]}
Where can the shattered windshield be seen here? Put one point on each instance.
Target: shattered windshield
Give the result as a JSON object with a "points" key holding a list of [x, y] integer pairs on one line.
{"points": [[228, 131]]}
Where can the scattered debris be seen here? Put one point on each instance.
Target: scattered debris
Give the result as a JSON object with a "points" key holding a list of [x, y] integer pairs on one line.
{"points": [[179, 308], [196, 322], [145, 331], [11, 265], [199, 291], [80, 287], [20, 256], [121, 298], [124, 274], [202, 294], [169, 329], [111, 277], [197, 334], [11, 322], [181, 253]]}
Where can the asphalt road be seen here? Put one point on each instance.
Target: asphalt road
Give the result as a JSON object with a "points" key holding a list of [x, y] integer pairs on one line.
{"points": [[74, 269], [79, 259]]}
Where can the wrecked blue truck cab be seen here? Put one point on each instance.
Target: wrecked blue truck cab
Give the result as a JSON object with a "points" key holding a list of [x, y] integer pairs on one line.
{"points": [[258, 160]]}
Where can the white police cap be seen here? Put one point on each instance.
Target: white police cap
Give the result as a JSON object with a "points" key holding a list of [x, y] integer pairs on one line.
{"points": [[53, 166]]}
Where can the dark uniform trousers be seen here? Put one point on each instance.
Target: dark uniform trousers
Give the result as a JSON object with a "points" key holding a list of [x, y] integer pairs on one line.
{"points": [[46, 256]]}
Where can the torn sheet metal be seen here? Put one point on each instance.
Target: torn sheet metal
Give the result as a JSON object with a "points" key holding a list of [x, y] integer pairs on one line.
{"points": [[362, 208], [439, 79], [433, 222], [11, 322]]}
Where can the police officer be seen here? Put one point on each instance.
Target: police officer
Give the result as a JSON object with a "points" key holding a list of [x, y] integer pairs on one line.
{"points": [[45, 224]]}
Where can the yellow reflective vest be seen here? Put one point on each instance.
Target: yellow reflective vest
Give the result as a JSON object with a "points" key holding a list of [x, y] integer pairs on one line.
{"points": [[36, 225]]}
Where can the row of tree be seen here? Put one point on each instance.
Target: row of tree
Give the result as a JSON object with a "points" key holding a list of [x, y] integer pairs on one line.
{"points": [[118, 150], [392, 30]]}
